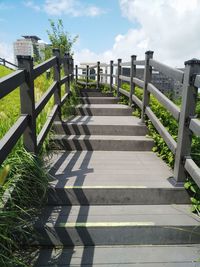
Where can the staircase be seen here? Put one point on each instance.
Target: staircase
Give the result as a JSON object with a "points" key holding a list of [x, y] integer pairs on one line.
{"points": [[111, 202]]}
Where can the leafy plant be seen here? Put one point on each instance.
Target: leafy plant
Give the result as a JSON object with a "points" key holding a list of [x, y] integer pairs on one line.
{"points": [[59, 38]]}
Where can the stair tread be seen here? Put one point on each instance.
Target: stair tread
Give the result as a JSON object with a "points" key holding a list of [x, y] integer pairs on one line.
{"points": [[112, 256], [104, 120], [118, 216], [109, 168], [104, 106], [103, 137]]}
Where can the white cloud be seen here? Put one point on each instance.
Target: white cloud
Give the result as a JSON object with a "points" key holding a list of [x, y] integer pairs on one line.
{"points": [[73, 8], [6, 51], [32, 5], [168, 27]]}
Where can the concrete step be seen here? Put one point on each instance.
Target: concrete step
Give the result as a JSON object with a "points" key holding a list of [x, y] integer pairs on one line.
{"points": [[101, 142], [101, 125], [99, 100], [112, 178], [118, 225], [120, 256], [103, 110], [94, 93]]}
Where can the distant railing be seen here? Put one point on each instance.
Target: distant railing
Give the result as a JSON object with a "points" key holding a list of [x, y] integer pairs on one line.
{"points": [[7, 64], [185, 116], [24, 77]]}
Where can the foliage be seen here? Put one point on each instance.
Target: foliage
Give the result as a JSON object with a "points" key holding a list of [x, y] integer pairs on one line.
{"points": [[59, 38], [21, 195]]}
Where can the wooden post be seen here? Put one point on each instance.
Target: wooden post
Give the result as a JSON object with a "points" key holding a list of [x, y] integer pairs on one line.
{"points": [[66, 72], [87, 73], [111, 75], [188, 105], [76, 73], [119, 72], [98, 74], [147, 79], [132, 74], [72, 69], [57, 94], [27, 101]]}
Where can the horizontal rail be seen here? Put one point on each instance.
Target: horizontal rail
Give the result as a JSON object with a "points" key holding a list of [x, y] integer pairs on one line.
{"points": [[168, 71], [124, 92], [11, 81], [82, 75], [43, 133], [12, 136], [93, 67], [171, 143], [115, 64], [91, 83], [137, 101], [41, 68], [64, 98], [123, 64], [125, 78], [138, 82], [193, 170], [81, 82], [104, 65], [195, 126], [64, 79], [139, 62], [114, 76], [45, 98], [167, 103], [81, 68], [197, 81]]}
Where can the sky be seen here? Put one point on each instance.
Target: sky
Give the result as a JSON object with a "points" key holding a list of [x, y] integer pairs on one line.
{"points": [[109, 29]]}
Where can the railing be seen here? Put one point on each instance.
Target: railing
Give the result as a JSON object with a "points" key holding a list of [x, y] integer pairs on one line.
{"points": [[7, 63], [24, 77], [185, 116]]}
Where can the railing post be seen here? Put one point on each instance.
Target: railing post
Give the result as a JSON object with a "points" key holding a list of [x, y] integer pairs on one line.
{"points": [[66, 72], [111, 75], [188, 105], [72, 69], [147, 79], [27, 101], [132, 74], [87, 73], [119, 72], [57, 94], [98, 74], [76, 73]]}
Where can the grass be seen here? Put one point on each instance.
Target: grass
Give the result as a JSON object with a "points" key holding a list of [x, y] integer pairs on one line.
{"points": [[23, 177]]}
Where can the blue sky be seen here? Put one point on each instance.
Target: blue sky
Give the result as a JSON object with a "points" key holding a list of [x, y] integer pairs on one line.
{"points": [[109, 29]]}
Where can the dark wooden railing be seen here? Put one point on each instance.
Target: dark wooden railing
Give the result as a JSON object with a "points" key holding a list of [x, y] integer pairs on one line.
{"points": [[185, 116], [24, 77]]}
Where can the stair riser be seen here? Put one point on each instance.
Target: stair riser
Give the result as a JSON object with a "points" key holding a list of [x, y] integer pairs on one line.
{"points": [[103, 112], [75, 129], [99, 145], [117, 196], [95, 94], [118, 235], [99, 100]]}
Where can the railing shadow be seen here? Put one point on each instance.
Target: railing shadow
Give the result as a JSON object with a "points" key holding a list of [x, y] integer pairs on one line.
{"points": [[66, 167]]}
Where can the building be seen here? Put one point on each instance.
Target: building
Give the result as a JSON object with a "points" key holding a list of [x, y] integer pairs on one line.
{"points": [[93, 71], [29, 46]]}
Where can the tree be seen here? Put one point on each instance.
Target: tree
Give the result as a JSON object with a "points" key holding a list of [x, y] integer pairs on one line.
{"points": [[59, 38]]}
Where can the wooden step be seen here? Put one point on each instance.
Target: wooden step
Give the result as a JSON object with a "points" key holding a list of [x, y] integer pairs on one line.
{"points": [[112, 178], [118, 225], [121, 256], [101, 125]]}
